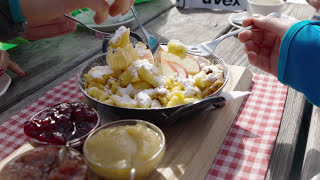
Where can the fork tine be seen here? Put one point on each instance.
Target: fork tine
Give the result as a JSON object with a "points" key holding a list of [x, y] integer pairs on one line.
{"points": [[153, 42], [158, 56], [107, 35], [207, 48], [99, 34]]}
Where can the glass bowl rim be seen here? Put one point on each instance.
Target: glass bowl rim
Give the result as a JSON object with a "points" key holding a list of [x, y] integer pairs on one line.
{"points": [[161, 135], [50, 146]]}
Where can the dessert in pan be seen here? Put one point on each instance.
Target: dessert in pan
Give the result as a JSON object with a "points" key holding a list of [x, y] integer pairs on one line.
{"points": [[131, 80]]}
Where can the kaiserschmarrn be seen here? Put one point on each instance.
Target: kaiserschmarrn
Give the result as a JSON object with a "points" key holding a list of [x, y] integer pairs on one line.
{"points": [[132, 80]]}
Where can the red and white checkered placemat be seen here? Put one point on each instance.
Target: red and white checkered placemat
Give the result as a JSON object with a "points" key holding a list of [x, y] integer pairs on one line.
{"points": [[246, 150], [11, 131], [248, 146]]}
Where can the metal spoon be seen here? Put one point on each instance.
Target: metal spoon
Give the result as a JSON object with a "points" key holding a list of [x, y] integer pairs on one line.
{"points": [[64, 151]]}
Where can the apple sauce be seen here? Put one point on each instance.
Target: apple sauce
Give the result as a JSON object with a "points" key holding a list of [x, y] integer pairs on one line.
{"points": [[113, 150]]}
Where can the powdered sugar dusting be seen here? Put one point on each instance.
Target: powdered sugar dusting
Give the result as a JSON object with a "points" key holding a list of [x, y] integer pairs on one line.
{"points": [[141, 49], [188, 85], [165, 92], [155, 104], [127, 90], [125, 99], [118, 34], [99, 71], [143, 100]]}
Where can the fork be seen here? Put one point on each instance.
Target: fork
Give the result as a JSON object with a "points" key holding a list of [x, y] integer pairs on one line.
{"points": [[99, 34], [207, 48], [153, 42]]}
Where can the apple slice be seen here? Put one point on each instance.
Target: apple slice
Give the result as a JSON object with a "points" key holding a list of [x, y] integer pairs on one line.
{"points": [[181, 70], [193, 58], [189, 63], [167, 69]]}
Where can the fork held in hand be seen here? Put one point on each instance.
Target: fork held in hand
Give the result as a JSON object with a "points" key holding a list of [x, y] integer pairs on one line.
{"points": [[99, 34], [207, 48], [153, 42]]}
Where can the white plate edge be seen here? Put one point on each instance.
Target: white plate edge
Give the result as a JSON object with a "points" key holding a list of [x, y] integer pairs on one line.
{"points": [[7, 85]]}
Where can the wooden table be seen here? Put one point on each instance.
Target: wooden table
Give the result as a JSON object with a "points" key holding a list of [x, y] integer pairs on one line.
{"points": [[51, 61]]}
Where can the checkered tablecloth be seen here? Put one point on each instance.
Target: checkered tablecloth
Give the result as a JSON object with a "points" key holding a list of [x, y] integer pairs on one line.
{"points": [[11, 131], [248, 146], [246, 150]]}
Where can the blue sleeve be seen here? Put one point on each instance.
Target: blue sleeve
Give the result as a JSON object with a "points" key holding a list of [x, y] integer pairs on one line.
{"points": [[11, 20], [15, 11], [299, 59]]}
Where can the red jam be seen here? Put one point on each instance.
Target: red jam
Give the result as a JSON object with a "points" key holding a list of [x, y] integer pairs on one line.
{"points": [[45, 163], [61, 123]]}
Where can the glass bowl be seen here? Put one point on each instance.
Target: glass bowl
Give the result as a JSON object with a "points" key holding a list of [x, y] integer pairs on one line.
{"points": [[125, 149], [45, 163], [62, 126]]}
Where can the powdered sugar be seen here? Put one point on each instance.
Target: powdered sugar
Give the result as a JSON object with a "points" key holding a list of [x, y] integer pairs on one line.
{"points": [[143, 100], [97, 72], [188, 85], [134, 95], [141, 49], [124, 100], [133, 68], [118, 34], [162, 91], [161, 80], [149, 67], [155, 104], [211, 77], [127, 90]]}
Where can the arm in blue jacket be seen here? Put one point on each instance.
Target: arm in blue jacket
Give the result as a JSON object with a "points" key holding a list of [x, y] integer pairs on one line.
{"points": [[11, 21], [299, 59]]}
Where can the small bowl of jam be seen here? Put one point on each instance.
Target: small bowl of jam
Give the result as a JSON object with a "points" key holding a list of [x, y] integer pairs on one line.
{"points": [[45, 163], [62, 124]]}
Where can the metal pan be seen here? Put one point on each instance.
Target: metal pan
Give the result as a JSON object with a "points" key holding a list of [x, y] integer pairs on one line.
{"points": [[166, 115]]}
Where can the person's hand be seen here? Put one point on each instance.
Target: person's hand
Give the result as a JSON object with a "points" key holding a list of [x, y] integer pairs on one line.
{"points": [[51, 29], [262, 44], [38, 12], [120, 7], [314, 3], [5, 63]]}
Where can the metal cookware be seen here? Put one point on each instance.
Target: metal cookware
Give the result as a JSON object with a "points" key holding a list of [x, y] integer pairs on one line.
{"points": [[158, 116]]}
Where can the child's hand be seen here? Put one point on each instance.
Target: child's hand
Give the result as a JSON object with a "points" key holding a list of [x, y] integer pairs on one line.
{"points": [[5, 63], [314, 3], [38, 12], [120, 7], [51, 29], [262, 44]]}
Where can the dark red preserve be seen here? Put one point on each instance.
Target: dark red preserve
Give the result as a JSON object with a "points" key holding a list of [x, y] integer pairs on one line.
{"points": [[61, 123]]}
